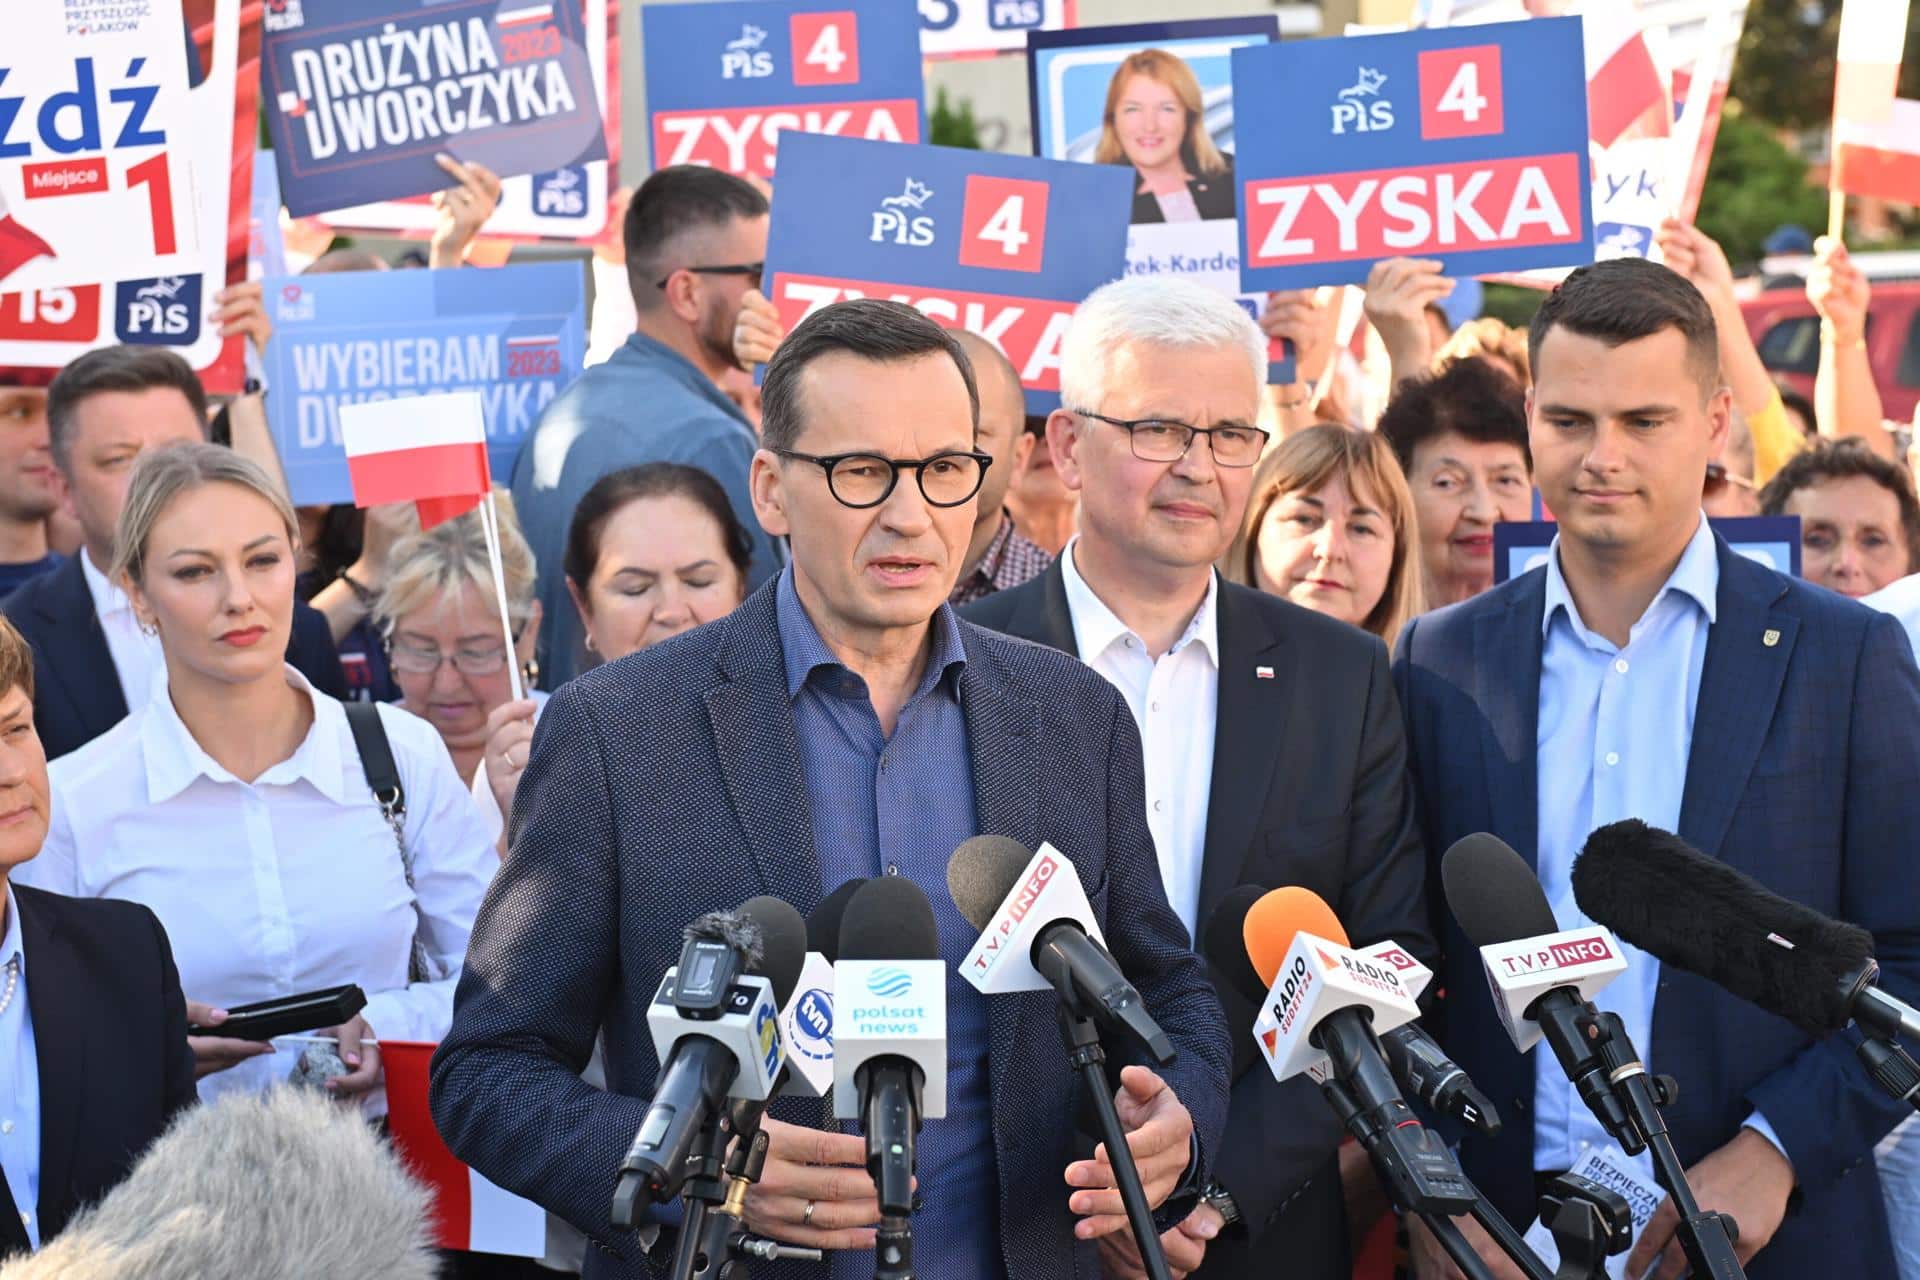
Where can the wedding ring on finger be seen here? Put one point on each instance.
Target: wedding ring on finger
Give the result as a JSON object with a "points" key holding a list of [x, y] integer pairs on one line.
{"points": [[806, 1219]]}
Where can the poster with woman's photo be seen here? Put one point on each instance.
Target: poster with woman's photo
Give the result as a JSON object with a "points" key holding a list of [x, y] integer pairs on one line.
{"points": [[1156, 98]]}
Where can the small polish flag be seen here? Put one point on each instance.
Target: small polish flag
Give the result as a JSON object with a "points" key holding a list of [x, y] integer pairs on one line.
{"points": [[1879, 160], [19, 246], [427, 450], [1872, 35], [1624, 82], [469, 1212], [1263, 673]]}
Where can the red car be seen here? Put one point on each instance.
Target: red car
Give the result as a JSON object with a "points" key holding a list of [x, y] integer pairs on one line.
{"points": [[1787, 331]]}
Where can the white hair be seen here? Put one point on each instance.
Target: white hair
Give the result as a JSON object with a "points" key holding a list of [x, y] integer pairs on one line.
{"points": [[1163, 311]]}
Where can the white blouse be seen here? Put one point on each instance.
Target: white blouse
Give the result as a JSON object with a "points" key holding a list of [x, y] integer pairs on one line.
{"points": [[287, 884]]}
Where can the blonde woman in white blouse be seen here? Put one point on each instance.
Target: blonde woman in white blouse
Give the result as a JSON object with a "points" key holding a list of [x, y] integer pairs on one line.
{"points": [[234, 804]]}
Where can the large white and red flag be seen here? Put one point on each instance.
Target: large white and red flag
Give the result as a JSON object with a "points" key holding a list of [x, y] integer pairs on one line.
{"points": [[428, 450], [1626, 84], [1867, 78], [1879, 160]]}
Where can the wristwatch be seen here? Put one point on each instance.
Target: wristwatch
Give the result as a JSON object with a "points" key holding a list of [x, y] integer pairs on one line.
{"points": [[1221, 1202]]}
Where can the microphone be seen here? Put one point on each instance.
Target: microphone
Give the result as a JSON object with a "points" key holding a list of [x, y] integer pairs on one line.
{"points": [[1423, 1069], [1037, 931], [1543, 978], [890, 1055], [715, 1026], [806, 1021], [1699, 914]]}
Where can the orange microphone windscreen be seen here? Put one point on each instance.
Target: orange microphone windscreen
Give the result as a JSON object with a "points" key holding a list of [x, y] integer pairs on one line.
{"points": [[1272, 922]]}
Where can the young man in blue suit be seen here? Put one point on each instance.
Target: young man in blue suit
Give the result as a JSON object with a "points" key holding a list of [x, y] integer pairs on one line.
{"points": [[842, 723], [1648, 671]]}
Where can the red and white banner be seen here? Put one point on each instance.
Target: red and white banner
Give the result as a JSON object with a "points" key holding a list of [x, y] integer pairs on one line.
{"points": [[1879, 160], [469, 1212], [1625, 84], [427, 450], [1872, 35]]}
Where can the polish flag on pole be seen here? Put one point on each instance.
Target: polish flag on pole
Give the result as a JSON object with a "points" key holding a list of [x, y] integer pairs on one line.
{"points": [[469, 1212], [1879, 160], [427, 450], [18, 246], [1872, 35], [1624, 82]]}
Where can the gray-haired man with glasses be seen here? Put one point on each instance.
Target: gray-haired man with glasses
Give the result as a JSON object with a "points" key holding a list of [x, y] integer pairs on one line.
{"points": [[1273, 745]]}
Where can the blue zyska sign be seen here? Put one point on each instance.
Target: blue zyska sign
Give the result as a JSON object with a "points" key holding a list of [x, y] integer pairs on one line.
{"points": [[1773, 541], [360, 95], [1006, 246], [1462, 144], [724, 81], [516, 334]]}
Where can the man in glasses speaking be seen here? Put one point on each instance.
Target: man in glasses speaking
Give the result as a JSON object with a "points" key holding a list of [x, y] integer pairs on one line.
{"points": [[842, 723]]}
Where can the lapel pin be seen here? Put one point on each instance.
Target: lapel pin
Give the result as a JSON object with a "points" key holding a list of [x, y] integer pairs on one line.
{"points": [[1771, 638], [1263, 673]]}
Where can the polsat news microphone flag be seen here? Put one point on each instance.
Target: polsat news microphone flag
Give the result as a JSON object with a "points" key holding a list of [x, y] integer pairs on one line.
{"points": [[1876, 133]]}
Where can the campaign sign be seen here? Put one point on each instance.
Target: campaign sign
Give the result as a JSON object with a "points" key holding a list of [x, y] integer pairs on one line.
{"points": [[1172, 85], [360, 95], [724, 81], [516, 335], [96, 178], [1773, 541], [1460, 144], [981, 28], [1006, 246]]}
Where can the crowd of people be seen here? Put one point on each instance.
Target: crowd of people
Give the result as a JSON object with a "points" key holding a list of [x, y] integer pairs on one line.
{"points": [[1196, 628]]}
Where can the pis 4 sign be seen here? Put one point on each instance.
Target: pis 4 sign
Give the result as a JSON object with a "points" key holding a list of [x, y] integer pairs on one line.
{"points": [[1422, 144], [725, 81]]}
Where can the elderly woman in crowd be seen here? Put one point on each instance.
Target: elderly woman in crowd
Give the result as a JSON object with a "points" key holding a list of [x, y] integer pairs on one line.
{"points": [[1330, 526], [652, 551], [1859, 519], [236, 803]]}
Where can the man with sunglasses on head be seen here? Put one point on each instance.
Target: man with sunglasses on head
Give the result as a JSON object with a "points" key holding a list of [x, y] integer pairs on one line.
{"points": [[696, 239], [842, 723], [1274, 748]]}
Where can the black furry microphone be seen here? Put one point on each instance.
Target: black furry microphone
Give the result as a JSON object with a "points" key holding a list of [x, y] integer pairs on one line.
{"points": [[1698, 914]]}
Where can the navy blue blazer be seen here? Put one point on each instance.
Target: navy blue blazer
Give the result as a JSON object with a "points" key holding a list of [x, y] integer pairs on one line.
{"points": [[668, 784], [76, 690], [1803, 772]]}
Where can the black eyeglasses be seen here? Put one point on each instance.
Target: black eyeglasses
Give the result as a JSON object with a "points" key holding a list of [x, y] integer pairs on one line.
{"points": [[861, 480], [1161, 440], [753, 271]]}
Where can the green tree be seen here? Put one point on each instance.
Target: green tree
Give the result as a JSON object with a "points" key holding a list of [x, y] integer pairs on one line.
{"points": [[1784, 71], [948, 126], [1755, 184]]}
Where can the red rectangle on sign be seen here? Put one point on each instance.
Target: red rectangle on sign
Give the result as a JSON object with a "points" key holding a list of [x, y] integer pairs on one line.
{"points": [[826, 48], [64, 178], [1438, 208], [51, 315], [1003, 224], [1029, 330], [743, 139], [1460, 94]]}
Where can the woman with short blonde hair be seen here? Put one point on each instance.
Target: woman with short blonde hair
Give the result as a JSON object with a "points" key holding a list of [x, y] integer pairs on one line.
{"points": [[1330, 526]]}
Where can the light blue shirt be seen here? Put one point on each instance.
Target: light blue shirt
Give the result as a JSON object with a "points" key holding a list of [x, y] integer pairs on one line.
{"points": [[19, 1086], [1615, 731]]}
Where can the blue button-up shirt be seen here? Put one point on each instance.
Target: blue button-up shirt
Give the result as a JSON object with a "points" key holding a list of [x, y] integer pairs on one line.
{"points": [[19, 1085], [1615, 732], [900, 805]]}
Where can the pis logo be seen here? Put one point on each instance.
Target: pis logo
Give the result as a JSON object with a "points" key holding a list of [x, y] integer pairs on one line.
{"points": [[744, 57], [1359, 108], [899, 220], [561, 193], [160, 311]]}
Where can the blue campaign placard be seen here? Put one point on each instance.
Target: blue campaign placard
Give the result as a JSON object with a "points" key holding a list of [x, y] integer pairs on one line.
{"points": [[360, 95], [515, 334], [1773, 541], [1462, 144], [724, 81], [1006, 246]]}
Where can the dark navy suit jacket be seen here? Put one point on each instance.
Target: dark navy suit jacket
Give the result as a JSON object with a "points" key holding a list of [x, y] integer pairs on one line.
{"points": [[668, 784], [76, 690], [1803, 773]]}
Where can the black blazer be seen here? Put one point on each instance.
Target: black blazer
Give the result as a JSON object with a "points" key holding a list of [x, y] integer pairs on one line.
{"points": [[76, 690], [1212, 195], [1310, 787], [110, 1035]]}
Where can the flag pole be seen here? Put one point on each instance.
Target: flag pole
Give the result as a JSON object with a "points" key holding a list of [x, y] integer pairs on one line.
{"points": [[1836, 214], [490, 523]]}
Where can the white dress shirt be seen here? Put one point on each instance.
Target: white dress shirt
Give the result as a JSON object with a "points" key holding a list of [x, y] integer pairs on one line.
{"points": [[1174, 700], [19, 1083], [137, 658], [290, 883]]}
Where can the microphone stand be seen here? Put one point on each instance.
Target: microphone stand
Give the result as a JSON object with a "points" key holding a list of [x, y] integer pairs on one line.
{"points": [[1705, 1238], [714, 1239], [1085, 1054], [702, 1193], [1892, 1068]]}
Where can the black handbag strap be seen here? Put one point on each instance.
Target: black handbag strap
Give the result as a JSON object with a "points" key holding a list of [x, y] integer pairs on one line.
{"points": [[376, 760]]}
